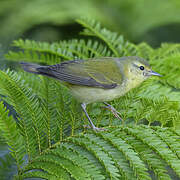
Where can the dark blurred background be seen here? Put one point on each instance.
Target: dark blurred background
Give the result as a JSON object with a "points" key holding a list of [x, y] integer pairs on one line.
{"points": [[152, 21]]}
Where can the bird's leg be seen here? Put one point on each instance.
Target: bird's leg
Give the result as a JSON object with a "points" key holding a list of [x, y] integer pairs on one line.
{"points": [[113, 110], [83, 105]]}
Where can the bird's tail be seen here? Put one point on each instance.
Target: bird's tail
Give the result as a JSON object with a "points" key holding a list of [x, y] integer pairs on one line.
{"points": [[38, 69], [30, 67]]}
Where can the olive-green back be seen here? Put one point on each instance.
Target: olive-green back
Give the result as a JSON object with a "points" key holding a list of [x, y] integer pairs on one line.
{"points": [[101, 72]]}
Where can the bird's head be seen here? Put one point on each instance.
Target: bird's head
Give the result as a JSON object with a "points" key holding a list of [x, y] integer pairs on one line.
{"points": [[138, 70]]}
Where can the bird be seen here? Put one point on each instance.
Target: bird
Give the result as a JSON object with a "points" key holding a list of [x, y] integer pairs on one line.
{"points": [[100, 79]]}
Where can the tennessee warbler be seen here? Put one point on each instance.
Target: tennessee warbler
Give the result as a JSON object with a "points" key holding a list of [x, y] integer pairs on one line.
{"points": [[98, 79]]}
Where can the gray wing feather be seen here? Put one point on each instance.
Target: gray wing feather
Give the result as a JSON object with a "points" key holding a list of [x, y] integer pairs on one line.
{"points": [[58, 71]]}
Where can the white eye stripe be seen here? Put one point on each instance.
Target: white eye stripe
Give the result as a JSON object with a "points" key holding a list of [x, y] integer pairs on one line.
{"points": [[141, 67], [135, 65]]}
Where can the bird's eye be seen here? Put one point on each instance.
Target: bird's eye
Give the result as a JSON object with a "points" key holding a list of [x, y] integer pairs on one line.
{"points": [[141, 68]]}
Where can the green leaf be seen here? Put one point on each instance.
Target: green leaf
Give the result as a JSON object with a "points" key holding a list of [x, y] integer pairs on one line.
{"points": [[78, 155], [12, 135]]}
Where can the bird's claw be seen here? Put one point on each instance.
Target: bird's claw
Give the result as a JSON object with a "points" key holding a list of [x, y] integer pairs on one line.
{"points": [[114, 111], [95, 128]]}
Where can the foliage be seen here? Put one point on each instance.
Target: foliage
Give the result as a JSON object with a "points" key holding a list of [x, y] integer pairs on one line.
{"points": [[48, 128], [131, 18], [120, 153], [13, 138], [7, 164]]}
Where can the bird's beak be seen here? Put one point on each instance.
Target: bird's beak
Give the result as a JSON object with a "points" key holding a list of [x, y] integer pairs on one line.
{"points": [[153, 73]]}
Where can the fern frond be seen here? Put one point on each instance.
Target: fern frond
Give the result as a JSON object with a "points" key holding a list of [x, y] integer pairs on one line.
{"points": [[91, 164], [69, 167], [115, 42], [49, 168], [28, 108], [28, 56], [40, 112], [145, 50], [166, 50], [176, 122], [153, 89], [42, 52], [60, 115], [95, 155], [140, 171], [169, 68], [39, 174], [55, 49], [149, 103], [110, 169], [7, 164], [86, 49], [12, 135], [119, 156], [157, 110], [154, 142], [153, 161], [79, 161], [169, 138]]}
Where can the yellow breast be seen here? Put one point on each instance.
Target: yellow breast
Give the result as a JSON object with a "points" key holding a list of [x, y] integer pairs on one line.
{"points": [[90, 94]]}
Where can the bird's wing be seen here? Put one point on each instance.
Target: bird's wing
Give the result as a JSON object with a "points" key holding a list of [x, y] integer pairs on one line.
{"points": [[102, 73]]}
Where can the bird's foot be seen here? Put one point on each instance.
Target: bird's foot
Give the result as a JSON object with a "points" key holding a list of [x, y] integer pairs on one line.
{"points": [[113, 110], [95, 128]]}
